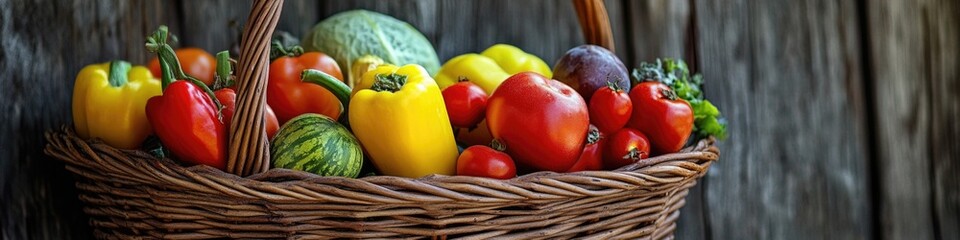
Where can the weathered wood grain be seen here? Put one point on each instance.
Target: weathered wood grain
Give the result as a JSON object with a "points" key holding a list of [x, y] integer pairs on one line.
{"points": [[42, 48], [914, 48], [660, 29], [795, 165]]}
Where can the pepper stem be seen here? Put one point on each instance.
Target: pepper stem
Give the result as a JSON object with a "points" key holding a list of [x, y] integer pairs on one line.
{"points": [[389, 82], [157, 43], [118, 73], [332, 84]]}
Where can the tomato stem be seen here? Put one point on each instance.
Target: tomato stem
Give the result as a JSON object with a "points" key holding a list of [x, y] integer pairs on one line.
{"points": [[277, 50], [633, 155], [497, 145], [669, 94], [593, 135], [224, 70]]}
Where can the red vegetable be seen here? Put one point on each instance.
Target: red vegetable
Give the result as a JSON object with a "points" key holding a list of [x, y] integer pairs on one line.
{"points": [[228, 98], [610, 108], [483, 161], [542, 122], [663, 117], [185, 117], [466, 104], [195, 62], [591, 157], [290, 97], [625, 147], [185, 120]]}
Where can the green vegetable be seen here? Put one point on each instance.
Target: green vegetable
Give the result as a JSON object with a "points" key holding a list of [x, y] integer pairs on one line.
{"points": [[317, 144], [350, 35], [674, 73]]}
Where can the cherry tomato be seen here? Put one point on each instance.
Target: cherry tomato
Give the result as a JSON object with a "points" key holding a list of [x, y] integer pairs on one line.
{"points": [[483, 161], [228, 97], [663, 117], [610, 108], [542, 122], [195, 62], [625, 147], [466, 104], [291, 97], [591, 158]]}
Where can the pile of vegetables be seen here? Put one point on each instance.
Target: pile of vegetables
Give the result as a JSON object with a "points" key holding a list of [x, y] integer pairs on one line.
{"points": [[354, 103]]}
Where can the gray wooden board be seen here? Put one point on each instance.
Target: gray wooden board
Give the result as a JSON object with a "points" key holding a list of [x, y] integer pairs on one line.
{"points": [[914, 48], [789, 75], [42, 48]]}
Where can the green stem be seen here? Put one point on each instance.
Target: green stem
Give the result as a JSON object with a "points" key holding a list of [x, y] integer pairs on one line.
{"points": [[157, 43], [389, 82], [332, 84], [223, 70], [166, 76], [497, 145], [277, 50], [118, 73]]}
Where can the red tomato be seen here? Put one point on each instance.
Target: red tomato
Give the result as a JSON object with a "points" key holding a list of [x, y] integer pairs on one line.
{"points": [[228, 97], [290, 97], [542, 122], [483, 161], [194, 61], [591, 158], [657, 112], [625, 147], [466, 104], [610, 108]]}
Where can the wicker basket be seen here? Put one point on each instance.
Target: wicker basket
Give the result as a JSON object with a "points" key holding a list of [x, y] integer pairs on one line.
{"points": [[131, 194]]}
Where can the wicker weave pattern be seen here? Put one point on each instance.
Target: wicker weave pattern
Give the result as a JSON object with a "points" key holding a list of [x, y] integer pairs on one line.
{"points": [[131, 194]]}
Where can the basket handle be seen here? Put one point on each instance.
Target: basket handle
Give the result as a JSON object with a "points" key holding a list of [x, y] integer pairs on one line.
{"points": [[249, 147], [594, 22]]}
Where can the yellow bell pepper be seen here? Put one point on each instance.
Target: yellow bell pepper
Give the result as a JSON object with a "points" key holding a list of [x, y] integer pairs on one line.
{"points": [[489, 68], [109, 102], [400, 119]]}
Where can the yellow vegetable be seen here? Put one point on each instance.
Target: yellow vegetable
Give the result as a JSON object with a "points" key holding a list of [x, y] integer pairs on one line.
{"points": [[400, 119], [489, 68], [109, 102], [513, 60]]}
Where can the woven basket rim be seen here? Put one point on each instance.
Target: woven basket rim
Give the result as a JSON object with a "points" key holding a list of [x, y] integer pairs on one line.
{"points": [[655, 171]]}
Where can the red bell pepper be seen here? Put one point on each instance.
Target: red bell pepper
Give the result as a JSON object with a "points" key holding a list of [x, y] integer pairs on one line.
{"points": [[186, 117]]}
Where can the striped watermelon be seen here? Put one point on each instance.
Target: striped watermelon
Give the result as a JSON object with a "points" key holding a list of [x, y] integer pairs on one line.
{"points": [[317, 144]]}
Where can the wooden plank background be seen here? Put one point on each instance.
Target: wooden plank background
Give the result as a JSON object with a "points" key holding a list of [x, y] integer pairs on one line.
{"points": [[843, 114]]}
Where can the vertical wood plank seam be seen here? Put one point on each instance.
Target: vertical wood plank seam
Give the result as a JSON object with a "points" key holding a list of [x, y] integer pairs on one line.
{"points": [[873, 170], [181, 23], [930, 40], [694, 63], [632, 58]]}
